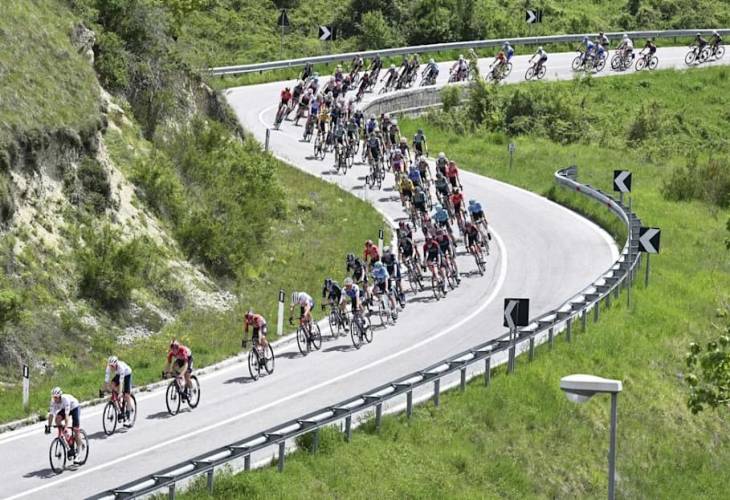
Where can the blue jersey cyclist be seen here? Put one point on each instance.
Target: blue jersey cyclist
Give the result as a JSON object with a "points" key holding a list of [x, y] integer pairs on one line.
{"points": [[414, 175], [509, 51], [381, 284]]}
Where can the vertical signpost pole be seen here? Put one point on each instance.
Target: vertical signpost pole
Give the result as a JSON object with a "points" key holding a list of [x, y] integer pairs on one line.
{"points": [[381, 236], [26, 387], [266, 143], [646, 276], [280, 316], [511, 149]]}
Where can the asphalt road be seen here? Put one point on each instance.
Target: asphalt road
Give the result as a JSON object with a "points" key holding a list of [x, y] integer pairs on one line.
{"points": [[541, 250]]}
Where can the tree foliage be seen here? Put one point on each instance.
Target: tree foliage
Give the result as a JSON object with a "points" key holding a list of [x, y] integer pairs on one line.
{"points": [[709, 379]]}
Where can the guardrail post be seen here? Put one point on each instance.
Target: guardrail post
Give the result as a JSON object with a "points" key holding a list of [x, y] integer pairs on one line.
{"points": [[551, 337], [569, 329], [462, 382], [487, 370], [596, 310], [247, 462], [436, 391], [171, 492], [282, 454], [210, 480], [628, 292], [583, 321], [409, 404], [315, 440], [608, 299], [378, 415], [348, 428], [532, 348]]}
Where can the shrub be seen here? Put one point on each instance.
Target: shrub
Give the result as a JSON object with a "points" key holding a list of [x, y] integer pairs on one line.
{"points": [[375, 32], [95, 184], [450, 97], [161, 187], [709, 182], [10, 306], [111, 61]]}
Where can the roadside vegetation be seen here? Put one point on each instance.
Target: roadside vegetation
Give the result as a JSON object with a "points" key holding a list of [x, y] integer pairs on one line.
{"points": [[521, 437]]}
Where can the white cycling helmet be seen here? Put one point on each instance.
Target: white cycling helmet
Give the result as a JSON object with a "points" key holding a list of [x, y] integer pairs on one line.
{"points": [[431, 61], [539, 49], [56, 392], [348, 281], [392, 66], [112, 360], [294, 297], [442, 155], [626, 36], [394, 122], [461, 57]]}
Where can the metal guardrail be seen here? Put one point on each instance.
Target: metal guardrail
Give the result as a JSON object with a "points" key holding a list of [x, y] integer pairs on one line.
{"points": [[474, 44], [601, 291]]}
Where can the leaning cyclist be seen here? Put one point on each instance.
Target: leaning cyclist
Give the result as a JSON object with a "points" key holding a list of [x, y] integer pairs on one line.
{"points": [[390, 261], [447, 250], [258, 325], [332, 294], [371, 254], [472, 237], [432, 258], [476, 212], [452, 172], [180, 359], [541, 56], [357, 267], [65, 407], [122, 375], [419, 143], [352, 292]]}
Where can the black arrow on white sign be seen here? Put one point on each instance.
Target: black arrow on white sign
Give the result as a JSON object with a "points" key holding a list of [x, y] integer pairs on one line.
{"points": [[622, 181], [516, 312], [326, 33], [649, 239]]}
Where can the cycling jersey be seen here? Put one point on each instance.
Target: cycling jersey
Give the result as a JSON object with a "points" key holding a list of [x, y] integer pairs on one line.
{"points": [[442, 186], [334, 293], [122, 370], [370, 126], [475, 207], [452, 172], [257, 321], [415, 175], [183, 354], [304, 299], [441, 165], [371, 252], [431, 251], [353, 292], [380, 274], [406, 247], [66, 404], [510, 52], [444, 243], [441, 216], [391, 265], [457, 199], [406, 185], [541, 54], [419, 139], [419, 199]]}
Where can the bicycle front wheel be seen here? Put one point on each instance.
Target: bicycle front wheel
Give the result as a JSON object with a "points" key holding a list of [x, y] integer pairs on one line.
{"points": [[690, 58], [57, 455], [356, 333], [109, 418], [253, 363], [194, 395], [530, 73], [367, 329], [172, 399]]}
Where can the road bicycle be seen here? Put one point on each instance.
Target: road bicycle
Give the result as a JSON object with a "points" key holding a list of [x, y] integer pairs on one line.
{"points": [[647, 60], [116, 411], [381, 305], [499, 72], [280, 116], [536, 72], [177, 392], [360, 329], [308, 336], [695, 55], [308, 129], [413, 273], [621, 61], [260, 358], [63, 448], [481, 266], [319, 149], [336, 320], [438, 286], [376, 175]]}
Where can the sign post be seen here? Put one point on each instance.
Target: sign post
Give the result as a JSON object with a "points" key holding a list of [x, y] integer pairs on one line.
{"points": [[327, 33], [649, 239], [280, 316], [516, 313], [282, 22], [511, 148], [26, 387], [266, 143], [381, 237], [622, 183]]}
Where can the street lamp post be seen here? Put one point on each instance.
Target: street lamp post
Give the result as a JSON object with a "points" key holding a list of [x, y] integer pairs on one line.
{"points": [[581, 388]]}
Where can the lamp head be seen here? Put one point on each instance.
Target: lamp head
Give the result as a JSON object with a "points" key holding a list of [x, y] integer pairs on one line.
{"points": [[580, 388]]}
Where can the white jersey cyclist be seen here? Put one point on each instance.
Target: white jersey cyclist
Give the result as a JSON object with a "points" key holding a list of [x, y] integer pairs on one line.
{"points": [[122, 370], [67, 403]]}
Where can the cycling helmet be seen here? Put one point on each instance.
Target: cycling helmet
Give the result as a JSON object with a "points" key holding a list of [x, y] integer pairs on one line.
{"points": [[585, 39], [456, 190], [386, 116], [328, 283], [715, 33], [401, 224], [378, 265], [372, 117], [112, 360], [369, 243], [249, 314], [439, 175], [348, 281], [350, 257], [442, 155], [386, 250], [431, 61], [315, 75], [174, 344], [699, 35], [472, 202], [539, 49], [56, 392], [627, 36], [600, 33], [438, 207], [403, 140], [286, 89], [294, 297], [392, 66], [419, 131], [461, 57], [505, 45]]}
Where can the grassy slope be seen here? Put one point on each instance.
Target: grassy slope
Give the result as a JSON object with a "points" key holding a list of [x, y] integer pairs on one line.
{"points": [[521, 438], [44, 82]]}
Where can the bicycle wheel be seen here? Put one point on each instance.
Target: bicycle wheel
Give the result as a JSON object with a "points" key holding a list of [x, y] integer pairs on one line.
{"points": [[356, 332], [316, 146], [132, 419], [479, 263], [57, 455], [316, 336], [302, 341], [254, 365], [412, 280], [530, 73], [435, 287], [640, 63], [109, 418], [194, 396], [334, 323], [541, 72], [653, 62], [172, 399], [615, 62], [719, 52], [577, 63], [269, 359], [600, 65], [82, 454], [507, 70], [382, 312], [367, 329], [704, 55], [690, 58]]}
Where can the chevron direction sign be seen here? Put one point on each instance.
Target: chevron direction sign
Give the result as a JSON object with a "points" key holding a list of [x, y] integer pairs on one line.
{"points": [[516, 312], [649, 239], [622, 181]]}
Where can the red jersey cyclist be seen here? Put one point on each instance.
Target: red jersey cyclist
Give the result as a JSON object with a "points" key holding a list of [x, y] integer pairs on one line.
{"points": [[180, 359], [452, 172], [371, 254], [258, 324]]}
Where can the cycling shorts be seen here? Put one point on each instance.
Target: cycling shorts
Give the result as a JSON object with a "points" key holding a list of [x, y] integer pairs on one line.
{"points": [[302, 308], [379, 286], [444, 223], [127, 383], [179, 363], [420, 205], [259, 331], [419, 148], [432, 257], [407, 193], [407, 251], [472, 238], [477, 216], [75, 416], [453, 181]]}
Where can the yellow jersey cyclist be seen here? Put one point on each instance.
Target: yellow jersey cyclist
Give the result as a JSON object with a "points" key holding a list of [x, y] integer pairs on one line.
{"points": [[406, 189], [180, 360], [118, 373], [65, 407]]}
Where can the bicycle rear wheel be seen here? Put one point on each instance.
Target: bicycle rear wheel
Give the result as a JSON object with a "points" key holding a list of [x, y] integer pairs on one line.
{"points": [[57, 455], [367, 329], [316, 336], [172, 399], [640, 63], [194, 395], [109, 418], [541, 72], [302, 341], [132, 419], [82, 454], [269, 359], [254, 366], [690, 58], [334, 324]]}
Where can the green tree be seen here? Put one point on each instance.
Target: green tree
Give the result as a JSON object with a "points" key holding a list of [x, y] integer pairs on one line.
{"points": [[375, 32], [432, 21]]}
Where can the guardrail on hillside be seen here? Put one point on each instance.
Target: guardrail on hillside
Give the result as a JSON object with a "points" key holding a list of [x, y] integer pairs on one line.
{"points": [[601, 291], [437, 47]]}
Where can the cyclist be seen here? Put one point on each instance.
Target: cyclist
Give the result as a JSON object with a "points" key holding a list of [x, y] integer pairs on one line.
{"points": [[357, 65], [715, 41], [391, 76], [649, 46], [424, 169], [357, 267], [393, 132], [457, 200], [443, 188], [297, 92], [419, 143], [306, 72], [404, 149], [397, 163], [461, 67], [122, 373], [340, 137], [371, 254], [180, 358], [408, 250], [700, 42], [352, 292], [589, 52], [445, 244], [381, 284], [404, 230], [375, 66], [432, 258], [259, 329], [352, 131], [499, 61], [390, 261], [602, 40], [509, 51], [541, 56], [431, 71], [626, 47], [472, 236], [332, 292], [415, 175], [374, 147], [284, 98], [62, 408], [441, 163], [371, 125], [452, 172], [305, 303], [441, 218], [477, 217], [323, 118], [419, 199]]}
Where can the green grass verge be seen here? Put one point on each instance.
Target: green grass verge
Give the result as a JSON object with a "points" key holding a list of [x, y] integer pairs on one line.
{"points": [[44, 81], [521, 438], [323, 224]]}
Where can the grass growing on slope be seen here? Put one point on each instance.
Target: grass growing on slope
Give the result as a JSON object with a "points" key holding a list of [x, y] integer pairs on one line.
{"points": [[521, 438], [44, 81]]}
